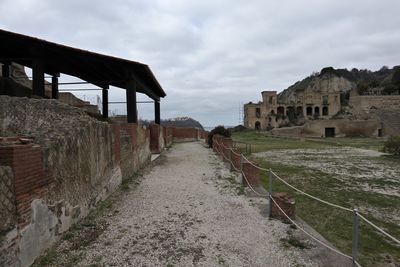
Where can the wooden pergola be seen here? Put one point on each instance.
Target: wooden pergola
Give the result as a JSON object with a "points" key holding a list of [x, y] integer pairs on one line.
{"points": [[50, 58]]}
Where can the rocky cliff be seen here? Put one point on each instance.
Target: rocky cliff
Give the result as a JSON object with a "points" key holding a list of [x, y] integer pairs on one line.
{"points": [[385, 81]]}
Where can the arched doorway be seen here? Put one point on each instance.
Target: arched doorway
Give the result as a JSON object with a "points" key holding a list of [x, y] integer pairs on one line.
{"points": [[258, 125]]}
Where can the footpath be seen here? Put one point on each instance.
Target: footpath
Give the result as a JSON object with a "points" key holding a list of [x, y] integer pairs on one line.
{"points": [[187, 210]]}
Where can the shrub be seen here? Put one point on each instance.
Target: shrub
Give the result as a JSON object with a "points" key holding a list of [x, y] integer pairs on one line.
{"points": [[392, 145], [219, 130]]}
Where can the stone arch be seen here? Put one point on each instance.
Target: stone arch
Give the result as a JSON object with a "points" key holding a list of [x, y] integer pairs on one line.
{"points": [[281, 110], [272, 111], [258, 125], [309, 111], [325, 111]]}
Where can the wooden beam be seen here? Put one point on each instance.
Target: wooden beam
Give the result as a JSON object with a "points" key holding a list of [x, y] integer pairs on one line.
{"points": [[54, 86], [6, 69], [131, 106], [105, 102], [38, 78], [157, 112], [145, 89]]}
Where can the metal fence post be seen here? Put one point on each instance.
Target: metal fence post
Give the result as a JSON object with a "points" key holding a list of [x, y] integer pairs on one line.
{"points": [[241, 167], [355, 237], [270, 191]]}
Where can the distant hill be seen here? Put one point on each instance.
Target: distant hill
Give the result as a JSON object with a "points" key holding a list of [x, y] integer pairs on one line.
{"points": [[182, 122]]}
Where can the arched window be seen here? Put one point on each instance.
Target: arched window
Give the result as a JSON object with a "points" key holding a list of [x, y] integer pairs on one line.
{"points": [[325, 111], [281, 110], [309, 111], [316, 111]]}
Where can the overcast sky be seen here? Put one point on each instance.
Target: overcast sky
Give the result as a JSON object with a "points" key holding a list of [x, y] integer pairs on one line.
{"points": [[211, 56]]}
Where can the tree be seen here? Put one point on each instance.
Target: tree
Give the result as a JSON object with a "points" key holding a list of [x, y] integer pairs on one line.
{"points": [[219, 130]]}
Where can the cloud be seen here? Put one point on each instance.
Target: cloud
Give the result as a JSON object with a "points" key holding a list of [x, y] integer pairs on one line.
{"points": [[210, 56]]}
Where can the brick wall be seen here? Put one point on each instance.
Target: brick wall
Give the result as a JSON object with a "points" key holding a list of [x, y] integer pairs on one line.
{"points": [[184, 133], [252, 174], [286, 203], [156, 138], [30, 179], [168, 136]]}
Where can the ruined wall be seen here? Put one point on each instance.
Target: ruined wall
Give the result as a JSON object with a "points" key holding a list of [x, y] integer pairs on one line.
{"points": [[366, 102], [343, 128], [72, 100], [168, 136], [156, 138], [71, 163], [185, 134]]}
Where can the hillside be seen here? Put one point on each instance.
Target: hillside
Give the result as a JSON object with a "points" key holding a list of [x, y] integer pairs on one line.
{"points": [[182, 122], [385, 81]]}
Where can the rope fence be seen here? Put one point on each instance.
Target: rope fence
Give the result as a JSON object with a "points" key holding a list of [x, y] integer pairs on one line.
{"points": [[220, 148]]}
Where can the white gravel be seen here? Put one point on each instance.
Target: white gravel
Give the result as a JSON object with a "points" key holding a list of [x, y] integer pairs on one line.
{"points": [[186, 212]]}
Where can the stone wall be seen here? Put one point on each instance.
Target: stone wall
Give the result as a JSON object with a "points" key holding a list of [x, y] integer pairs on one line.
{"points": [[69, 163], [7, 199], [343, 128], [366, 102]]}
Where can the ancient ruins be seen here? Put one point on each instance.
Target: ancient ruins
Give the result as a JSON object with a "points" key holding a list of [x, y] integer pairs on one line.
{"points": [[328, 104]]}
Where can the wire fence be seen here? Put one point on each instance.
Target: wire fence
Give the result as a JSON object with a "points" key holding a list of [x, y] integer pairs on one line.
{"points": [[222, 149]]}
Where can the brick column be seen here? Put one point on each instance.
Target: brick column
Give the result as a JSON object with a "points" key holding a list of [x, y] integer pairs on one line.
{"points": [[252, 174], [287, 204]]}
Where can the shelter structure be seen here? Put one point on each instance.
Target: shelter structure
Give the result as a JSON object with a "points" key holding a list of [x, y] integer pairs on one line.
{"points": [[53, 59]]}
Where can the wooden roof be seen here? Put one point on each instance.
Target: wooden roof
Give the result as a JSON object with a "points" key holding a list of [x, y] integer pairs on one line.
{"points": [[98, 69]]}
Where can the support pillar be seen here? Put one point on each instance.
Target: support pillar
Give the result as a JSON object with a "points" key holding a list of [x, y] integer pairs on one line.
{"points": [[38, 78], [157, 116], [131, 105], [105, 102], [6, 69], [54, 86]]}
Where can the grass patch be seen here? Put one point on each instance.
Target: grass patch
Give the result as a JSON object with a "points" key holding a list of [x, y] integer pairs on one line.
{"points": [[294, 242], [334, 224], [49, 258]]}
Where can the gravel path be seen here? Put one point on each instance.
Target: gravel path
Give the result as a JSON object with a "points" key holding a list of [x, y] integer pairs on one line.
{"points": [[187, 212]]}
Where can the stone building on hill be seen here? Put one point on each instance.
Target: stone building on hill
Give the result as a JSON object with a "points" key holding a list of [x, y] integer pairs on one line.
{"points": [[325, 105]]}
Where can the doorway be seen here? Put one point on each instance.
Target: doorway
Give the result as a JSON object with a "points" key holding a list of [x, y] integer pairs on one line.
{"points": [[330, 132]]}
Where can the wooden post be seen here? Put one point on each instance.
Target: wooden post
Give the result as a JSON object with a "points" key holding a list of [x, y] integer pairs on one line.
{"points": [[6, 69], [38, 78], [157, 119], [131, 107], [54, 86], [105, 102]]}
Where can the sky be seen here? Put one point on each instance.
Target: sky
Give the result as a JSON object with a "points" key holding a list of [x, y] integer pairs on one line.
{"points": [[212, 56]]}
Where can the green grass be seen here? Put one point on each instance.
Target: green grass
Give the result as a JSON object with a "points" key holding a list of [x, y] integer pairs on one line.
{"points": [[263, 142], [334, 224]]}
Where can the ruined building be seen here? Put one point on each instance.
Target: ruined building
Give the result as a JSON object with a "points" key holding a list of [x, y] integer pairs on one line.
{"points": [[332, 103]]}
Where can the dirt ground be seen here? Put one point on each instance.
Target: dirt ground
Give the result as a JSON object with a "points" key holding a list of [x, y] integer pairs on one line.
{"points": [[188, 210], [355, 166]]}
